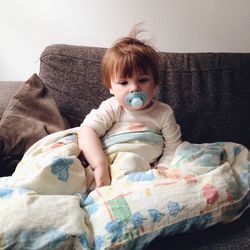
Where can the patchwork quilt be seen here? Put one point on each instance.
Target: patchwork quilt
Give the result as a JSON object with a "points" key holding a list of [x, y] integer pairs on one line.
{"points": [[50, 201]]}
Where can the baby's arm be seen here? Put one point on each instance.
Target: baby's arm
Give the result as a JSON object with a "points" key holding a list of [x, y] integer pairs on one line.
{"points": [[90, 144], [172, 138]]}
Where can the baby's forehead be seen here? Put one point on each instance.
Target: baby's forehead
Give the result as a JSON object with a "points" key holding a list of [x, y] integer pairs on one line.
{"points": [[136, 74], [120, 72]]}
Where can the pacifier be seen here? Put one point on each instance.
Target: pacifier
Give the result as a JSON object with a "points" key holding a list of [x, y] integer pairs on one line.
{"points": [[136, 99]]}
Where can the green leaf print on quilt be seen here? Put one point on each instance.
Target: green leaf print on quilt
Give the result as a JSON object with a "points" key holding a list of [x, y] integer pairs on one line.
{"points": [[120, 209]]}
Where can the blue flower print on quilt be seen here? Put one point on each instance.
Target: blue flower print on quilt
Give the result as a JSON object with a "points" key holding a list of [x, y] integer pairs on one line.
{"points": [[60, 167], [72, 137], [90, 205], [84, 240], [155, 214], [38, 239], [92, 208], [137, 219], [245, 177], [174, 208], [236, 150], [200, 222], [6, 193], [116, 228], [211, 155], [203, 155], [99, 241], [141, 176]]}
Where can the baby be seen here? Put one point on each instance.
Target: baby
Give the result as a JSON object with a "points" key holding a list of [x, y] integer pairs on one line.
{"points": [[129, 132]]}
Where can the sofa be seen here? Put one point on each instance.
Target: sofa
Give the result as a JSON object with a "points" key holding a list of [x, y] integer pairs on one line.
{"points": [[209, 93]]}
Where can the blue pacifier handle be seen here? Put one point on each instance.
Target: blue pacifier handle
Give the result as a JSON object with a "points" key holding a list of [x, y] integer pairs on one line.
{"points": [[136, 99]]}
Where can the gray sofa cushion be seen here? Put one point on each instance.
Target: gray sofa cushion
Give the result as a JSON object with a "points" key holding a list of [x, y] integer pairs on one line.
{"points": [[72, 74], [210, 95], [209, 92]]}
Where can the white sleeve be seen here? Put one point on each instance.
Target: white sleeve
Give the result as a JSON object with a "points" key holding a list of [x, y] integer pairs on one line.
{"points": [[172, 138], [103, 118]]}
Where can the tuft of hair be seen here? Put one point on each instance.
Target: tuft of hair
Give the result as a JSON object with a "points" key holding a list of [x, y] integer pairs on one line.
{"points": [[129, 55], [136, 30]]}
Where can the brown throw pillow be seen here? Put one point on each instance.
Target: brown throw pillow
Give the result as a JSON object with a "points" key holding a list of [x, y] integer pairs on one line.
{"points": [[30, 115]]}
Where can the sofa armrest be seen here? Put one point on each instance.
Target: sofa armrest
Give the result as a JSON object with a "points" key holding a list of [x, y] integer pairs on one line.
{"points": [[7, 90]]}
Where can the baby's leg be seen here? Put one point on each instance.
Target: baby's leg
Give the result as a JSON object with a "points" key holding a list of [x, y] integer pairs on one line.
{"points": [[123, 163]]}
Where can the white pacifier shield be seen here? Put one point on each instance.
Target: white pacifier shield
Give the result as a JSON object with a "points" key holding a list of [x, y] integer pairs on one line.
{"points": [[136, 102]]}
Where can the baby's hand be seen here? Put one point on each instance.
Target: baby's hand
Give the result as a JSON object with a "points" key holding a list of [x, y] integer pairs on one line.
{"points": [[102, 176], [161, 168]]}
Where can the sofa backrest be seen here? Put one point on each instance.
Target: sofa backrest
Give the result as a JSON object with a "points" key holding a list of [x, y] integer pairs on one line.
{"points": [[209, 92]]}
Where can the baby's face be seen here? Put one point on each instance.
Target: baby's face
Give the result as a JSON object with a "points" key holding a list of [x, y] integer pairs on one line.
{"points": [[121, 87]]}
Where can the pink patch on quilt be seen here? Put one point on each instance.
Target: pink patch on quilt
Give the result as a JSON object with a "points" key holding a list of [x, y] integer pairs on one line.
{"points": [[211, 194]]}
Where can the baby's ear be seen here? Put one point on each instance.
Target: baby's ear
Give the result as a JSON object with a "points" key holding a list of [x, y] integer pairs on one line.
{"points": [[156, 90], [111, 91]]}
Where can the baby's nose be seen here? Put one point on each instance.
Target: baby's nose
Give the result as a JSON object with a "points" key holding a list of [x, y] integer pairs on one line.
{"points": [[134, 87]]}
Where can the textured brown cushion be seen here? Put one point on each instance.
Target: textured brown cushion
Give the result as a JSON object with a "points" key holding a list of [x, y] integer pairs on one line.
{"points": [[7, 90], [30, 115]]}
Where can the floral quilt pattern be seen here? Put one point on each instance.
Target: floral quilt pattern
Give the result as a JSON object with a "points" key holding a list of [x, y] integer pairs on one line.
{"points": [[205, 184]]}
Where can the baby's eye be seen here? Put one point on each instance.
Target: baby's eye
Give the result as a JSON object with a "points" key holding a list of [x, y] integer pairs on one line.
{"points": [[123, 83], [143, 80]]}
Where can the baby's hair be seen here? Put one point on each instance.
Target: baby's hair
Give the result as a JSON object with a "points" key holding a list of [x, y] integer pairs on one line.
{"points": [[129, 55]]}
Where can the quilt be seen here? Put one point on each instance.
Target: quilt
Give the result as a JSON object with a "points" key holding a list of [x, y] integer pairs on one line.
{"points": [[55, 206]]}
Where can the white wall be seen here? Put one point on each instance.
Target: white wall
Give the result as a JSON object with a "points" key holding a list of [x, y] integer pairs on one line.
{"points": [[27, 26]]}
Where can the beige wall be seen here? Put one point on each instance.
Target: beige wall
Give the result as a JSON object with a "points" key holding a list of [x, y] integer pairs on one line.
{"points": [[27, 26]]}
